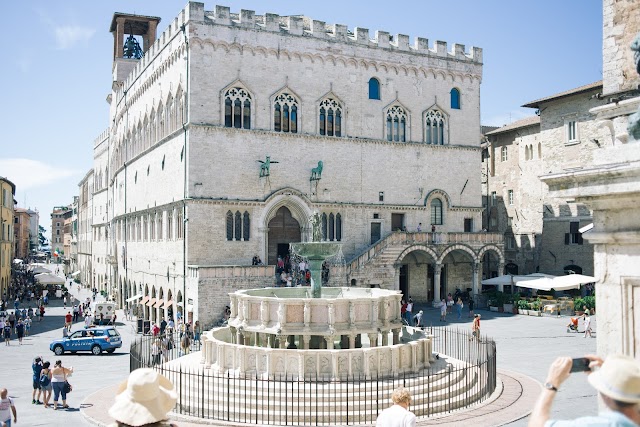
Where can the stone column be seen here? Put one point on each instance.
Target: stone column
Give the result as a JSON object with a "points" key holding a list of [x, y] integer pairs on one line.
{"points": [[373, 339], [474, 278], [352, 341], [119, 38], [437, 268], [282, 341], [397, 277], [501, 273], [264, 313], [305, 342], [239, 337], [396, 336], [385, 338], [329, 340], [307, 314]]}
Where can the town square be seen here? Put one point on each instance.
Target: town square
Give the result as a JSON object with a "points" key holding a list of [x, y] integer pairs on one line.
{"points": [[290, 214]]}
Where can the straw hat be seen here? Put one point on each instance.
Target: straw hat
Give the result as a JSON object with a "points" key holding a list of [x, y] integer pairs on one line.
{"points": [[618, 378], [144, 398]]}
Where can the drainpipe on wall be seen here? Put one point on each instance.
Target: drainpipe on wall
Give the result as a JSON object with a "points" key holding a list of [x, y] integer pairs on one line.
{"points": [[185, 219]]}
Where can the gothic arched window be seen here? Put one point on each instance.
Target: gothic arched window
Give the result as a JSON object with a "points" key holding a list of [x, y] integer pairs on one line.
{"points": [[229, 226], [324, 226], [396, 124], [330, 117], [338, 227], [455, 99], [285, 113], [436, 212], [237, 108], [374, 88], [246, 225], [435, 127]]}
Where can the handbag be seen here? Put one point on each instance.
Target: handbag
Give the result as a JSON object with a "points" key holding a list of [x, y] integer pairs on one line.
{"points": [[67, 388]]}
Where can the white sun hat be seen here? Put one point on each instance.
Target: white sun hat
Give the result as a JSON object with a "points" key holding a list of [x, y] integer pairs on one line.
{"points": [[618, 378], [145, 397]]}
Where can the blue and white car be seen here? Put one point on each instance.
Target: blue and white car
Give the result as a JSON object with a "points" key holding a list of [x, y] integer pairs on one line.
{"points": [[95, 340]]}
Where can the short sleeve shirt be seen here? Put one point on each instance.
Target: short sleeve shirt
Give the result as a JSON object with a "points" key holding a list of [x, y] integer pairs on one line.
{"points": [[603, 419]]}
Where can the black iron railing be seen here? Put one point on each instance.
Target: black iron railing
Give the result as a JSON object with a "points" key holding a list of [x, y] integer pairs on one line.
{"points": [[464, 374]]}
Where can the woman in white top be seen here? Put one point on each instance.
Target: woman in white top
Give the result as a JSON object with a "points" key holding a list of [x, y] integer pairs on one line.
{"points": [[58, 378]]}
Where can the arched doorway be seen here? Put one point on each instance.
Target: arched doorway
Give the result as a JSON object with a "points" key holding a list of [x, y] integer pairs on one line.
{"points": [[416, 273], [510, 268], [457, 270], [283, 229]]}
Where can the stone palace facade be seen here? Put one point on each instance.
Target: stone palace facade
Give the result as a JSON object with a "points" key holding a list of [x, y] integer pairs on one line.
{"points": [[233, 129]]}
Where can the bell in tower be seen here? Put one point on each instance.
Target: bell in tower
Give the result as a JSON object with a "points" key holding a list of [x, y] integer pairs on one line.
{"points": [[126, 30]]}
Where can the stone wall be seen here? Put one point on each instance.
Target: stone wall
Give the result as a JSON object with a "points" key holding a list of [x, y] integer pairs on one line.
{"points": [[621, 21]]}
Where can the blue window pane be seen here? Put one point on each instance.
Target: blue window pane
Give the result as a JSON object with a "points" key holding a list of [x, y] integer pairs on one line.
{"points": [[374, 88], [455, 99]]}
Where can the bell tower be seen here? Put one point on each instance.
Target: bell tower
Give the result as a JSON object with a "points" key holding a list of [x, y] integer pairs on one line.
{"points": [[126, 48]]}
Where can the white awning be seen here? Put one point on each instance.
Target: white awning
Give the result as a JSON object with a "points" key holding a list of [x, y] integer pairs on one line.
{"points": [[508, 279], [134, 298], [558, 283], [75, 273]]}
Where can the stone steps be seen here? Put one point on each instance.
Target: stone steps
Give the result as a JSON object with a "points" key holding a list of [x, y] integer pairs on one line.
{"points": [[443, 391]]}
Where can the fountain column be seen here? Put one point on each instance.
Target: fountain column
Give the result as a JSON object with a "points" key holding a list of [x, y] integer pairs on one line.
{"points": [[396, 336], [385, 338], [501, 273], [373, 340], [352, 341]]}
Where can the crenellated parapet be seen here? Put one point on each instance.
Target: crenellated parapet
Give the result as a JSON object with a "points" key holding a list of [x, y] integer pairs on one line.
{"points": [[170, 44], [308, 27]]}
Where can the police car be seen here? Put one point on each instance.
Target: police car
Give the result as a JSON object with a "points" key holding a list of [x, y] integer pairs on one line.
{"points": [[95, 340]]}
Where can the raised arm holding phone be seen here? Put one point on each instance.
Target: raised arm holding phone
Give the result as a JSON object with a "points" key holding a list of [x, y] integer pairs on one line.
{"points": [[617, 380]]}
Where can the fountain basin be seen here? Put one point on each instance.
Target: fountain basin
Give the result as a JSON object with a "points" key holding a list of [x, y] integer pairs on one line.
{"points": [[316, 250], [337, 312]]}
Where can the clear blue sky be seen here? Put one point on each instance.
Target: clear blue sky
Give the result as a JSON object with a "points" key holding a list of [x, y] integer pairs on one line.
{"points": [[56, 68]]}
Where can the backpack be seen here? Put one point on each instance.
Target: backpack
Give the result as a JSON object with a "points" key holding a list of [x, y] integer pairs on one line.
{"points": [[44, 380]]}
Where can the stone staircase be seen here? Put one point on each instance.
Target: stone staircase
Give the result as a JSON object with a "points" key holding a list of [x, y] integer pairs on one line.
{"points": [[448, 385]]}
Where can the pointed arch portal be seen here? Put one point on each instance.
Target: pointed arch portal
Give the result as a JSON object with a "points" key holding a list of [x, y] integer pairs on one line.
{"points": [[283, 229]]}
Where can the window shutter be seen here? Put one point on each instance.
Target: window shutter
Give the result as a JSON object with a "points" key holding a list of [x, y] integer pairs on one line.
{"points": [[567, 238], [579, 238]]}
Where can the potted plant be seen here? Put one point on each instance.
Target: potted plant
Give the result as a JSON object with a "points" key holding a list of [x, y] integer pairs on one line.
{"points": [[590, 302], [578, 306], [523, 307], [534, 308]]}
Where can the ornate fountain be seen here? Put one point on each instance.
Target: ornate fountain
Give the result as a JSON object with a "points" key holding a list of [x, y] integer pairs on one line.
{"points": [[316, 332]]}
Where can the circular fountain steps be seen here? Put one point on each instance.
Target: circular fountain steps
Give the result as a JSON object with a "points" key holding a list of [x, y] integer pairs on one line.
{"points": [[443, 388]]}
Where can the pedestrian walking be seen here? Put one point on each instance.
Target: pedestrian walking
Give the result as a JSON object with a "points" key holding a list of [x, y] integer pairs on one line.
{"points": [[398, 415], [7, 333], [36, 368], [68, 319], [20, 330], [459, 305], [409, 313], [7, 408], [587, 325], [27, 325], [45, 384], [471, 304], [41, 312], [59, 376], [443, 311], [475, 328], [197, 330]]}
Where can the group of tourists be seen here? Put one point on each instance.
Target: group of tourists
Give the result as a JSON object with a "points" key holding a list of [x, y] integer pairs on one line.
{"points": [[49, 380], [166, 333]]}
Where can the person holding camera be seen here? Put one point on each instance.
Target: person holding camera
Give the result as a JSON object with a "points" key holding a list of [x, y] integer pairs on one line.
{"points": [[617, 381]]}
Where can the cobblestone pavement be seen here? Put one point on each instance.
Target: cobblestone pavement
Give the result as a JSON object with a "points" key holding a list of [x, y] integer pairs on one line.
{"points": [[525, 345]]}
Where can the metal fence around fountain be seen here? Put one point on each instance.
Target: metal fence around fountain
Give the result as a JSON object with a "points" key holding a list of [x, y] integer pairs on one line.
{"points": [[203, 393]]}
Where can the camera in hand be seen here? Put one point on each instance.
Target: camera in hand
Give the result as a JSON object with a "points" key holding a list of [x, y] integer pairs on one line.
{"points": [[580, 364]]}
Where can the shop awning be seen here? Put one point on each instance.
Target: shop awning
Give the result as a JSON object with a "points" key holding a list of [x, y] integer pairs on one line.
{"points": [[49, 279], [144, 300], [168, 304], [158, 303], [134, 298], [75, 273], [151, 302], [558, 283]]}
